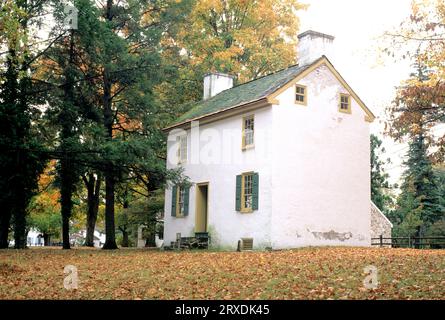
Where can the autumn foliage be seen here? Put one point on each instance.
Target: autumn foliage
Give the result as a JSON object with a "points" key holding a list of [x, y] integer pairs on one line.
{"points": [[310, 273], [420, 100]]}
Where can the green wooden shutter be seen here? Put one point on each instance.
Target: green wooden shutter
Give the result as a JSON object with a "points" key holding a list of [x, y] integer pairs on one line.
{"points": [[174, 192], [238, 193], [186, 201], [255, 191]]}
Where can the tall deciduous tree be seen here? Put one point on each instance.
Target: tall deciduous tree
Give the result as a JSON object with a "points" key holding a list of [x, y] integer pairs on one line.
{"points": [[420, 100], [245, 38], [248, 38], [418, 109]]}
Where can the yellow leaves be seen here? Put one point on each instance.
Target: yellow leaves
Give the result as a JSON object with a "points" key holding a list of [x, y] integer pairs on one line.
{"points": [[241, 37]]}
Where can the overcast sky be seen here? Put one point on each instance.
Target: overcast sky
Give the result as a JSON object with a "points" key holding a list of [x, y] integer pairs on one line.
{"points": [[357, 26]]}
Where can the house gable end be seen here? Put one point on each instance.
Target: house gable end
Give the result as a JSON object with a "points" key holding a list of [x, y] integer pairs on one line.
{"points": [[273, 97]]}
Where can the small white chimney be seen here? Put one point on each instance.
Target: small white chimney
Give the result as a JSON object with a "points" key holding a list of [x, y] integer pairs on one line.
{"points": [[216, 82], [312, 45]]}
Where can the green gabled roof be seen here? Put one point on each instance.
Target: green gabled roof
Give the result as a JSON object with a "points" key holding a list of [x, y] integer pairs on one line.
{"points": [[242, 94]]}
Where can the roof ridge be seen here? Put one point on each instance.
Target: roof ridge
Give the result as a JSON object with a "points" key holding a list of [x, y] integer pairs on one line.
{"points": [[250, 81], [256, 89], [266, 75]]}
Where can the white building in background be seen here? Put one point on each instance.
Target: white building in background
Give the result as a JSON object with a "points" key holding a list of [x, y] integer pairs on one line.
{"points": [[281, 162], [34, 238], [79, 238]]}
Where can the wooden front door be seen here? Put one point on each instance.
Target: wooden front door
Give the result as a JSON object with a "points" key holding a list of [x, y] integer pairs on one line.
{"points": [[201, 207]]}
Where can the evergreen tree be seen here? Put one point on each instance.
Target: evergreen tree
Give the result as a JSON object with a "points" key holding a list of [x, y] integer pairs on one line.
{"points": [[379, 178], [71, 107], [419, 204], [21, 159]]}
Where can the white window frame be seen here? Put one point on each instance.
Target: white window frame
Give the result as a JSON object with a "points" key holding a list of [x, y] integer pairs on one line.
{"points": [[299, 94], [342, 103]]}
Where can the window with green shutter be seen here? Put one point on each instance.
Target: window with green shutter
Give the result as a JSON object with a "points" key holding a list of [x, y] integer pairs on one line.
{"points": [[186, 201], [247, 192], [174, 195], [238, 193], [180, 201], [255, 191]]}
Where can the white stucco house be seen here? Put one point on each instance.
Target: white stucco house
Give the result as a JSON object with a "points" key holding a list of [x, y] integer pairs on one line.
{"points": [[282, 161]]}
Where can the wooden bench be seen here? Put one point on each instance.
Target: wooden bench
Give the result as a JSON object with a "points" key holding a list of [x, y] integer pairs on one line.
{"points": [[201, 240]]}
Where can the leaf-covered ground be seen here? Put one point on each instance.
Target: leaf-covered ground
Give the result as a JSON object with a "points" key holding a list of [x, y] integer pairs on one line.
{"points": [[310, 273]]}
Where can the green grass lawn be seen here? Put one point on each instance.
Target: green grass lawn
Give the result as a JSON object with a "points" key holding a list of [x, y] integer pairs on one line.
{"points": [[309, 273]]}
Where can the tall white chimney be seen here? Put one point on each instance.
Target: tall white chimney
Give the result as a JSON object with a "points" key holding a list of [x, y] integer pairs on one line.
{"points": [[216, 82], [312, 45]]}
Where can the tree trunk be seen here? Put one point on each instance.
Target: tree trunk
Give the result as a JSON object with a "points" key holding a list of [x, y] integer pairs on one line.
{"points": [[5, 222], [151, 240], [19, 206], [125, 242], [67, 170], [46, 239], [93, 188], [20, 224], [66, 213], [108, 118], [110, 231], [9, 92], [66, 200]]}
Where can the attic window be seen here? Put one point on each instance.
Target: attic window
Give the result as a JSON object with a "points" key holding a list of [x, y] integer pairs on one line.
{"points": [[300, 94], [345, 103]]}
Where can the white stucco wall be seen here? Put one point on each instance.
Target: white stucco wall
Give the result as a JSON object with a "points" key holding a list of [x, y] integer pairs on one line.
{"points": [[220, 160], [321, 173]]}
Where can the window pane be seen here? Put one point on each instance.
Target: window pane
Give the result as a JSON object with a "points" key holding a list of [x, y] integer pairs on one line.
{"points": [[344, 102], [183, 148], [300, 94], [181, 200], [248, 188], [248, 131]]}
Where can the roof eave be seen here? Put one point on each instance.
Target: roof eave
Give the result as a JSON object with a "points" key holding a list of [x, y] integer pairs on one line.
{"points": [[263, 101]]}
